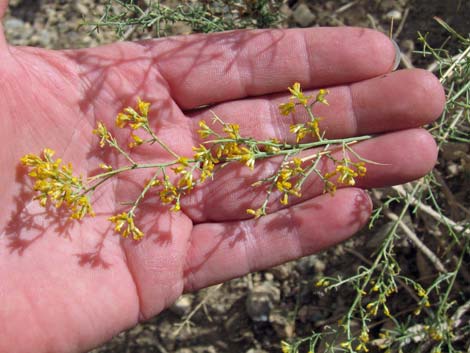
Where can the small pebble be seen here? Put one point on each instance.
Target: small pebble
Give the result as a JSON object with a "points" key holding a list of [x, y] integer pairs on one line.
{"points": [[303, 16], [261, 300]]}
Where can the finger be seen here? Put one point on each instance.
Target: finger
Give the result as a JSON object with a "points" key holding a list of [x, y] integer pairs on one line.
{"points": [[205, 69], [399, 100], [221, 251], [405, 155], [3, 7]]}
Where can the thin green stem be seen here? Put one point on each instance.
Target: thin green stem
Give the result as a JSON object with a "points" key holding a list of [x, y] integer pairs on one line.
{"points": [[113, 143], [385, 245], [313, 166], [271, 188], [143, 193], [288, 148], [160, 142]]}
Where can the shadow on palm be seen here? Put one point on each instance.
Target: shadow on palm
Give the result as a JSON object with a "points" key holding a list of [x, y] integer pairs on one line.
{"points": [[104, 81]]}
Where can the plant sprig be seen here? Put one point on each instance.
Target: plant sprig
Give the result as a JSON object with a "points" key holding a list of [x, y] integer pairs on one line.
{"points": [[222, 145], [393, 309]]}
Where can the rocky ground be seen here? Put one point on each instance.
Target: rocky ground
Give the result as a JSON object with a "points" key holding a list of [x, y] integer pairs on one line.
{"points": [[251, 314]]}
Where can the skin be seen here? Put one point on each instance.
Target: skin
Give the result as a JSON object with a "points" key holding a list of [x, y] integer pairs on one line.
{"points": [[68, 287]]}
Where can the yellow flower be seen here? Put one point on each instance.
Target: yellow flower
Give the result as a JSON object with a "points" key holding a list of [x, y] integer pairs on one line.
{"points": [[322, 93], [364, 337], [135, 119], [287, 108], [177, 206], [169, 193], [257, 213], [314, 128], [56, 182], [143, 107], [122, 120], [48, 154], [232, 131], [297, 165], [373, 308], [186, 181], [329, 186], [347, 175], [204, 131], [360, 168], [207, 170], [285, 347], [435, 334], [386, 311], [102, 132], [420, 291], [247, 157], [31, 160], [124, 224], [284, 200], [183, 161], [322, 283], [296, 192], [283, 185], [362, 347], [201, 152], [105, 167], [299, 130], [136, 141], [297, 93], [81, 208]]}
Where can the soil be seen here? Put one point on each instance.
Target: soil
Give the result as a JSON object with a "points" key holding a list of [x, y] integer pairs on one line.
{"points": [[254, 313]]}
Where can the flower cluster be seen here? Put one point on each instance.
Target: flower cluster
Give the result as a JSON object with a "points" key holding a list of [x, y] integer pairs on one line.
{"points": [[384, 291], [222, 144], [135, 118], [124, 224], [345, 172], [311, 127], [102, 132], [303, 129], [56, 183], [288, 181], [287, 178], [206, 162], [361, 345], [231, 146]]}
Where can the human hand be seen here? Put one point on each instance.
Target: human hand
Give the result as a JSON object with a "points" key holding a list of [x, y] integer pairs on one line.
{"points": [[69, 287]]}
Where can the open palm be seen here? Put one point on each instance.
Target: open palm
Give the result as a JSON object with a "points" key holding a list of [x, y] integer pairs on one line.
{"points": [[66, 287]]}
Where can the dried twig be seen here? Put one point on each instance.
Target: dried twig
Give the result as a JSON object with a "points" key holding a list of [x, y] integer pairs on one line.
{"points": [[456, 319], [187, 319], [430, 211], [132, 28], [402, 23], [412, 236], [406, 61], [417, 242], [372, 21], [346, 7], [460, 58]]}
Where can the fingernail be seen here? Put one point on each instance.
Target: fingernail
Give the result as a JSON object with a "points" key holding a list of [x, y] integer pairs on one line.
{"points": [[396, 63]]}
